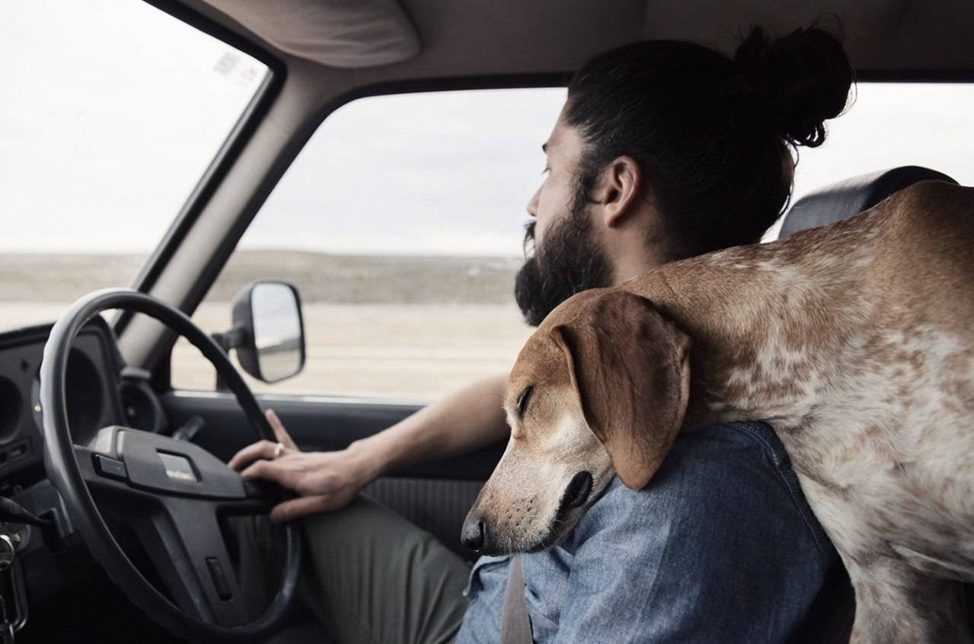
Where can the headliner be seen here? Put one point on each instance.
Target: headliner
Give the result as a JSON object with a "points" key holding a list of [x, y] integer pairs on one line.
{"points": [[471, 37]]}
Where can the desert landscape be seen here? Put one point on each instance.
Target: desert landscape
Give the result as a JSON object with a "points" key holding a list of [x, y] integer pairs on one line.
{"points": [[406, 328]]}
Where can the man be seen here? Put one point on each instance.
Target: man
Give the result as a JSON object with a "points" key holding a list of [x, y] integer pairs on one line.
{"points": [[663, 150]]}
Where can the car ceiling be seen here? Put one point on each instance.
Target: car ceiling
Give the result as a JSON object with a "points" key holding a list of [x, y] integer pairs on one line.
{"points": [[473, 37]]}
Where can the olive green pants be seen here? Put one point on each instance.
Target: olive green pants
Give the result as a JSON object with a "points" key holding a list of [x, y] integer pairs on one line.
{"points": [[372, 577]]}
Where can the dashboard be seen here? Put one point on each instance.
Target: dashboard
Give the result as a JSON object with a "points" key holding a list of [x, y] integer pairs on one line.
{"points": [[101, 391], [92, 385]]}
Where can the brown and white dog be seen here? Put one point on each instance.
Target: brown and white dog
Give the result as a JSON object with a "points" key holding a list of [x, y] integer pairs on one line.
{"points": [[854, 341]]}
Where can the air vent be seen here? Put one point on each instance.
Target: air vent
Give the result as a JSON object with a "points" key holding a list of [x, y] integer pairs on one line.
{"points": [[141, 407]]}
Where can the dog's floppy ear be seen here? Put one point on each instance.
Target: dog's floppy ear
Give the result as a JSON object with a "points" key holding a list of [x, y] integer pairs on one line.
{"points": [[631, 369]]}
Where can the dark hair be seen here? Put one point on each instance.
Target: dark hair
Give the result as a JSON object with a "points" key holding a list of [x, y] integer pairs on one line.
{"points": [[712, 134]]}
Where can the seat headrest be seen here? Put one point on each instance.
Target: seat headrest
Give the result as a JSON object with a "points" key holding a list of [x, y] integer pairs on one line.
{"points": [[852, 196]]}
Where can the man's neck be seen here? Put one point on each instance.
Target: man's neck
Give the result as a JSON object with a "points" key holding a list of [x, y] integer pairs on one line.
{"points": [[629, 266]]}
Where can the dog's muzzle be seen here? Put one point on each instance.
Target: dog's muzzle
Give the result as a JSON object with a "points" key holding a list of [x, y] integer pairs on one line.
{"points": [[476, 533]]}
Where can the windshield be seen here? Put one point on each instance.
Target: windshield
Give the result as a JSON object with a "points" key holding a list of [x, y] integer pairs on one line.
{"points": [[117, 111]]}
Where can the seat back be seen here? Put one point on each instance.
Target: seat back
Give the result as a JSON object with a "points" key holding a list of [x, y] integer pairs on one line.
{"points": [[852, 196]]}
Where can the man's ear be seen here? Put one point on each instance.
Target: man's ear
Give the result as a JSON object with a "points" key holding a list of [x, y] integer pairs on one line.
{"points": [[631, 369], [619, 187]]}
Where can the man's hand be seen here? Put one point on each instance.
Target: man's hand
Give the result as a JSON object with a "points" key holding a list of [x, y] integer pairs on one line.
{"points": [[324, 480], [465, 421]]}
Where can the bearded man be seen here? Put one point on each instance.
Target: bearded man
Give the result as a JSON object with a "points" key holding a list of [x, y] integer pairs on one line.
{"points": [[664, 150]]}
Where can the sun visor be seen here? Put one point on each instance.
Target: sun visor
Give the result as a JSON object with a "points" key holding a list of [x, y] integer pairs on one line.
{"points": [[337, 33]]}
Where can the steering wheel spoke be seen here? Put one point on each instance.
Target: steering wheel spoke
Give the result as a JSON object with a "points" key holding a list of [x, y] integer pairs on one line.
{"points": [[186, 546]]}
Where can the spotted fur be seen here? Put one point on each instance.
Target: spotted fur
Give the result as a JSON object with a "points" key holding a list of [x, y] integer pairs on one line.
{"points": [[855, 342]]}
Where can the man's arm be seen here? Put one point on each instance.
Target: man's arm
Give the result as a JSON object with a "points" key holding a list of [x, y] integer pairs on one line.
{"points": [[462, 422], [718, 548]]}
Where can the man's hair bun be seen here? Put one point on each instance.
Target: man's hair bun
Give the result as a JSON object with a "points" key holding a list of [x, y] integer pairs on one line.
{"points": [[794, 83]]}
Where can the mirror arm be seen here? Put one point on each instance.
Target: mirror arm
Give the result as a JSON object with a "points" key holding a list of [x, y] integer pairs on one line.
{"points": [[230, 339], [227, 340]]}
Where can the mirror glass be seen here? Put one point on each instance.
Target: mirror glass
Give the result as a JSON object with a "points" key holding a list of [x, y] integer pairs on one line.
{"points": [[277, 330]]}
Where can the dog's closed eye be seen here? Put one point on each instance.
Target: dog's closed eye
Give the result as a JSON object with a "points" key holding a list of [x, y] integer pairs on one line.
{"points": [[523, 400]]}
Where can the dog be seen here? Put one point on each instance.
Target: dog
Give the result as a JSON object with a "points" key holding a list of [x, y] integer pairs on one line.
{"points": [[854, 341]]}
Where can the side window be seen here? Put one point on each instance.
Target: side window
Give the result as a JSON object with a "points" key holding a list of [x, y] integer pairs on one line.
{"points": [[401, 223]]}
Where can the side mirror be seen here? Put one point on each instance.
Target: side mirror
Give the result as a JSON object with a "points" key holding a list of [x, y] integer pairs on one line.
{"points": [[269, 330]]}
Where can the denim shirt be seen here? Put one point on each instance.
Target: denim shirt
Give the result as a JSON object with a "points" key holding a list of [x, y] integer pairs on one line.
{"points": [[721, 546]]}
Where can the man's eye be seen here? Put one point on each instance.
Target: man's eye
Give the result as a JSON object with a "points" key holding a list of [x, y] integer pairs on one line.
{"points": [[546, 170]]}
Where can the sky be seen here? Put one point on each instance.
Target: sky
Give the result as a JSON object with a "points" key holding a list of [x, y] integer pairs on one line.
{"points": [[110, 115]]}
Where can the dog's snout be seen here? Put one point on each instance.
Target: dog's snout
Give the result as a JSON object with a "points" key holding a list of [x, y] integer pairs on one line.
{"points": [[474, 534]]}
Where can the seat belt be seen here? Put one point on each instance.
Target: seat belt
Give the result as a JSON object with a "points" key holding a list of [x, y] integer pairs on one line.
{"points": [[515, 623]]}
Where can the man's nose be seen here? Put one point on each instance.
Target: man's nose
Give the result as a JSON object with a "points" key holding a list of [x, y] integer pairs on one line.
{"points": [[474, 533], [533, 204]]}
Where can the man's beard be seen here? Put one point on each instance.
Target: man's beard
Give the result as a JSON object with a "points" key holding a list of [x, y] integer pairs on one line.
{"points": [[569, 261]]}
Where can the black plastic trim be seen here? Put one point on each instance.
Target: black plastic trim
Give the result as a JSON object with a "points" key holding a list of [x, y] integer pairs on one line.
{"points": [[915, 76]]}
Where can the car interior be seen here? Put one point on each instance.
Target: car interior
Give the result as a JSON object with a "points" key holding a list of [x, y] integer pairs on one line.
{"points": [[87, 571]]}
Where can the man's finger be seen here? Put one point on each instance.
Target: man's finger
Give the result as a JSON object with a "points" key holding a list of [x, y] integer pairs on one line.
{"points": [[270, 471], [299, 507], [279, 430], [254, 451]]}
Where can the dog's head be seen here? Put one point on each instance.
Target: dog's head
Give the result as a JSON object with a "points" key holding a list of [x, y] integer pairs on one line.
{"points": [[601, 387]]}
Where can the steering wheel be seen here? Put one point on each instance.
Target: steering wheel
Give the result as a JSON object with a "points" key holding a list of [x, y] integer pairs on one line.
{"points": [[172, 492]]}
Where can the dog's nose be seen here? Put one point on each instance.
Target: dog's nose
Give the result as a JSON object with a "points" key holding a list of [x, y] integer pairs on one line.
{"points": [[474, 534]]}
